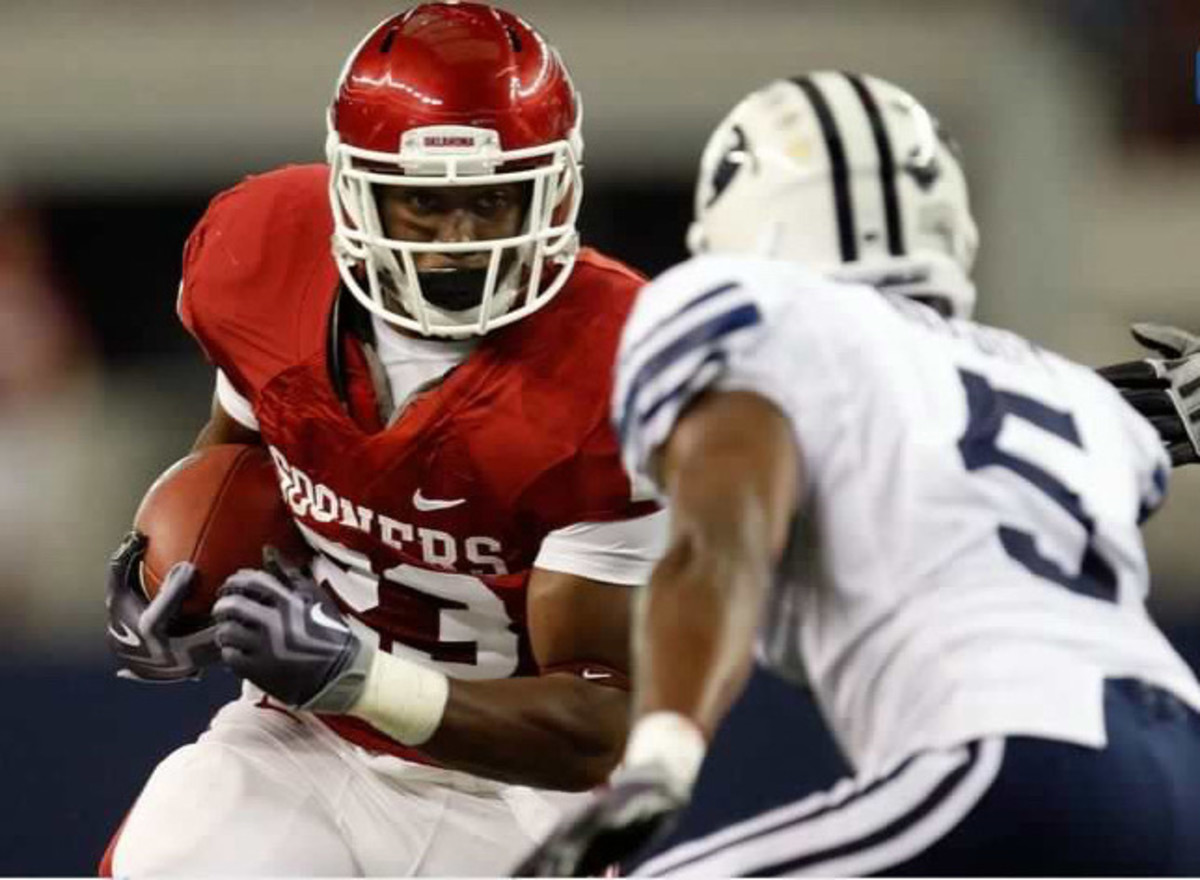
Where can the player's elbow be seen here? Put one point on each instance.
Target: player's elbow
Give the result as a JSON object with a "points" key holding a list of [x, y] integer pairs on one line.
{"points": [[723, 551], [597, 751], [590, 725]]}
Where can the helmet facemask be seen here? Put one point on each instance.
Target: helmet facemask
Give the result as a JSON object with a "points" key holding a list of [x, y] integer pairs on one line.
{"points": [[514, 275]]}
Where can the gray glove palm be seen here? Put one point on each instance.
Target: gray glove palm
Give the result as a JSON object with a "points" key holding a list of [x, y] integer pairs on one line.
{"points": [[279, 630], [1166, 389], [146, 635]]}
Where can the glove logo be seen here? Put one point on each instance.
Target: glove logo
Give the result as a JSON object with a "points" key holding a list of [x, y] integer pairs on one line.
{"points": [[124, 635], [320, 618]]}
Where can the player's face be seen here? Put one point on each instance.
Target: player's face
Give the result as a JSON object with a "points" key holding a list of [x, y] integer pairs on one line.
{"points": [[452, 214]]}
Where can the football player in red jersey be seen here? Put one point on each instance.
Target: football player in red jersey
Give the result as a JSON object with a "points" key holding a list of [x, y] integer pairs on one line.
{"points": [[434, 392]]}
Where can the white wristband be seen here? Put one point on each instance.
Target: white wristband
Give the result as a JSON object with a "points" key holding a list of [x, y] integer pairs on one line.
{"points": [[671, 741], [403, 699]]}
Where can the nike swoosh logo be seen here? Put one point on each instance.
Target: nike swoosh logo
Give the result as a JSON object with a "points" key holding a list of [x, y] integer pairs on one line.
{"points": [[592, 674], [322, 619], [420, 502], [125, 635]]}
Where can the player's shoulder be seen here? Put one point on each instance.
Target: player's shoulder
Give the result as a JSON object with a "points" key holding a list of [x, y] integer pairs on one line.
{"points": [[257, 217], [254, 266], [272, 192], [556, 366], [582, 324], [771, 283], [601, 288], [594, 267], [721, 288], [300, 182], [552, 393]]}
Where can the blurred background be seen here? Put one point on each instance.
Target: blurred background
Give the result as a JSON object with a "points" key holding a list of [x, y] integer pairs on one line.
{"points": [[119, 120]]}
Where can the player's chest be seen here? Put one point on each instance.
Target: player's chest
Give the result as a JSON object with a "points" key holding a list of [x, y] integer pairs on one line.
{"points": [[442, 486]]}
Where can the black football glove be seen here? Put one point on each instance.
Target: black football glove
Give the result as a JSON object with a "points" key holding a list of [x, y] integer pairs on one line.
{"points": [[1166, 390], [640, 806], [145, 634], [281, 631]]}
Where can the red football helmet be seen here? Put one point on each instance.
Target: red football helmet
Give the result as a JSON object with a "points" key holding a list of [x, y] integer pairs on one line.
{"points": [[455, 94]]}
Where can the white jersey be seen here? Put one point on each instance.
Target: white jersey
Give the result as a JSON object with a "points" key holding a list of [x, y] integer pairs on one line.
{"points": [[968, 561]]}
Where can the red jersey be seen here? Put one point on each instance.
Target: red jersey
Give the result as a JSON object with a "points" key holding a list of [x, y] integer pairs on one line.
{"points": [[428, 528]]}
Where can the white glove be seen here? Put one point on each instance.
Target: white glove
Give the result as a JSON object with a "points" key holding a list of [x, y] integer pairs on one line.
{"points": [[1166, 389]]}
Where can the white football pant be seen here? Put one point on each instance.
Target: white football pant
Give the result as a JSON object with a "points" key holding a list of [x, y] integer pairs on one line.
{"points": [[266, 792]]}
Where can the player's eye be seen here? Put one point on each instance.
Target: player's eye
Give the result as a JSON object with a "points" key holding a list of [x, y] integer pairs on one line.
{"points": [[491, 202], [419, 201]]}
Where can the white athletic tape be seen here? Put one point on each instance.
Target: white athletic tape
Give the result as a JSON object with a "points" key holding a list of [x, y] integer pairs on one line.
{"points": [[403, 699]]}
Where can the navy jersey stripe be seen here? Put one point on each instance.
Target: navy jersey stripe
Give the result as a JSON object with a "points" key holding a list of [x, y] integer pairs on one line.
{"points": [[705, 333], [717, 358], [670, 320]]}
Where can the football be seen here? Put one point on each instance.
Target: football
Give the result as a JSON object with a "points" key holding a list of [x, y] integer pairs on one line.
{"points": [[216, 508]]}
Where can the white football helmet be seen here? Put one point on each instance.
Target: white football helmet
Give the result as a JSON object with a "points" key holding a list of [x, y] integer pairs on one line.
{"points": [[845, 173]]}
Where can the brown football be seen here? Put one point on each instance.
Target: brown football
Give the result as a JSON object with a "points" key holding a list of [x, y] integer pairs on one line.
{"points": [[216, 508]]}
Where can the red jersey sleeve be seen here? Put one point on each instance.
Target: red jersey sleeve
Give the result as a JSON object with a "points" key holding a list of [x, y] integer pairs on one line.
{"points": [[258, 278]]}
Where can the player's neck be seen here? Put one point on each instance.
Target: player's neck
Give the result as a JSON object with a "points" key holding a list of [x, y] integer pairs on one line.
{"points": [[391, 340]]}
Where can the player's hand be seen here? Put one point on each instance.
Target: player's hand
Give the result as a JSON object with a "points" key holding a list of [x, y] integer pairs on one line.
{"points": [[140, 631], [278, 629], [640, 805], [1166, 389]]}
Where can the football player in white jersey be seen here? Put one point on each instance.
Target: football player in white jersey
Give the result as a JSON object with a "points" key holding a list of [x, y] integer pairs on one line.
{"points": [[934, 522]]}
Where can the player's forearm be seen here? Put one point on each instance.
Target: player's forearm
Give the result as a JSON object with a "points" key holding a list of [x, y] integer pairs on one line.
{"points": [[556, 731], [731, 471], [695, 631]]}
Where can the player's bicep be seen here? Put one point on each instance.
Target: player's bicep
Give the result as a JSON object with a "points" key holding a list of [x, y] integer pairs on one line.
{"points": [[579, 625], [731, 463], [224, 427], [671, 355]]}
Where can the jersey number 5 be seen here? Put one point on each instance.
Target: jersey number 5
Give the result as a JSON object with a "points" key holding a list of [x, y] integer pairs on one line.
{"points": [[987, 409]]}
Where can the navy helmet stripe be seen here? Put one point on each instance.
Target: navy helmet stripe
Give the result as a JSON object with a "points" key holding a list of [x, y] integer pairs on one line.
{"points": [[887, 164], [839, 168]]}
